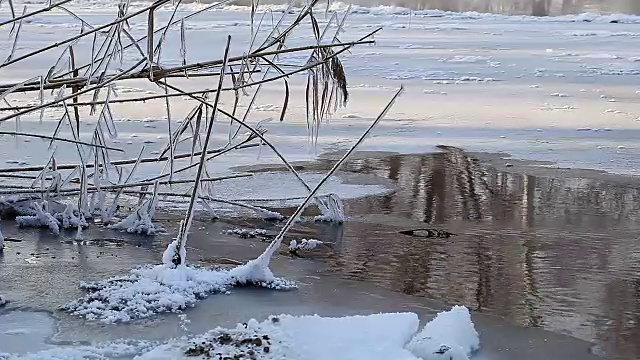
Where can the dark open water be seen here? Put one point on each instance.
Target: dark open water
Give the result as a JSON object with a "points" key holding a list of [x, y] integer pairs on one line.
{"points": [[558, 253]]}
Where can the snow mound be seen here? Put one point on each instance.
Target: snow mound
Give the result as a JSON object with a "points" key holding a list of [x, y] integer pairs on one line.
{"points": [[450, 336], [150, 290], [256, 272], [371, 337], [374, 337], [147, 291]]}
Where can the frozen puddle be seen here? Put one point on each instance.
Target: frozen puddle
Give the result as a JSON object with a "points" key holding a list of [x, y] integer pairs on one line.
{"points": [[451, 336], [22, 331]]}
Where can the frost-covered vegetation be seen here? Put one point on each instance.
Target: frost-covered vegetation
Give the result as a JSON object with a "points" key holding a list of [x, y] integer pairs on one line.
{"points": [[94, 190]]}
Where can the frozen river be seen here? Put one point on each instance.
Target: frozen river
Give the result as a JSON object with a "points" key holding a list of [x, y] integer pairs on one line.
{"points": [[563, 90]]}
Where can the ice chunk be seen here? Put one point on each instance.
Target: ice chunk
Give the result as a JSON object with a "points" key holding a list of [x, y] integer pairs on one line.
{"points": [[450, 336], [304, 244]]}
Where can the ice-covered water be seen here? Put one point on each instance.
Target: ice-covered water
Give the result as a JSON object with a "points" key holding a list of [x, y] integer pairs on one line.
{"points": [[562, 89]]}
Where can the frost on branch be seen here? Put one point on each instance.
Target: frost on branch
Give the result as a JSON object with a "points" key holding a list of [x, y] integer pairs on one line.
{"points": [[140, 221], [1, 241], [42, 218]]}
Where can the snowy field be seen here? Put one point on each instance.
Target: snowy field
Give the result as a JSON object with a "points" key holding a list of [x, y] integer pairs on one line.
{"points": [[554, 89]]}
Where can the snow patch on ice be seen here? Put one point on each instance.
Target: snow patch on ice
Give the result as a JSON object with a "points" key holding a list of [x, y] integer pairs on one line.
{"points": [[120, 349], [351, 116], [247, 233], [266, 107], [150, 290], [467, 59], [601, 33]]}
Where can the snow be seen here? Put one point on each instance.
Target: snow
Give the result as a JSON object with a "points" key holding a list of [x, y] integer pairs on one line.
{"points": [[70, 220], [380, 336], [170, 252], [257, 272], [150, 290], [113, 350], [304, 244], [372, 337], [310, 337], [147, 291], [247, 233], [450, 336]]}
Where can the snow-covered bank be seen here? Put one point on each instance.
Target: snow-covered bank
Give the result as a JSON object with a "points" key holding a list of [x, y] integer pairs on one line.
{"points": [[451, 336]]}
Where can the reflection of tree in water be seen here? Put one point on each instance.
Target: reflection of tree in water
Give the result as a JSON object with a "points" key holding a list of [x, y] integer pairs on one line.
{"points": [[540, 251]]}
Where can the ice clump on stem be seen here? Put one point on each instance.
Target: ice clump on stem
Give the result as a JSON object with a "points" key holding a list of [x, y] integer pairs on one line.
{"points": [[172, 256], [42, 218], [331, 207], [140, 221], [69, 219]]}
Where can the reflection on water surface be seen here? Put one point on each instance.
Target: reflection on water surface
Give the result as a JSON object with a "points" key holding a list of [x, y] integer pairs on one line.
{"points": [[562, 254]]}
